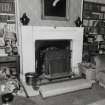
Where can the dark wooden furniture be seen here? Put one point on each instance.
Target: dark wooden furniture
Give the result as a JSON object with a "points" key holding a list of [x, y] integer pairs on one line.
{"points": [[12, 62]]}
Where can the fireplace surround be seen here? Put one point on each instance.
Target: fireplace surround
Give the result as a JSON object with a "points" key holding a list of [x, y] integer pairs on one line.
{"points": [[32, 33]]}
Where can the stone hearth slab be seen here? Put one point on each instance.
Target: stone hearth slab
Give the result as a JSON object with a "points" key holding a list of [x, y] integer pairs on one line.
{"points": [[64, 87]]}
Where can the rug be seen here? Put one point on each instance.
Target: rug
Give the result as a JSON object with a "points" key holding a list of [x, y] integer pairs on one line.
{"points": [[20, 100], [81, 97]]}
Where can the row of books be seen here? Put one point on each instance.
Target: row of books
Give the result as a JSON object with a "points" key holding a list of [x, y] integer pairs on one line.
{"points": [[7, 0], [6, 18], [94, 7], [11, 28], [93, 15], [6, 27], [7, 7]]}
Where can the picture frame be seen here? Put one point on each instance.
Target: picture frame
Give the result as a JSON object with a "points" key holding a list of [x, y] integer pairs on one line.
{"points": [[55, 10]]}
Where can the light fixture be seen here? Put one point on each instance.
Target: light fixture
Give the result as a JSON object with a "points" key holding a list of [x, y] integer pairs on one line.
{"points": [[99, 38]]}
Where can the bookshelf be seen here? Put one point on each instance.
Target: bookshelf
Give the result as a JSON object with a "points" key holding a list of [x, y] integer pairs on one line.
{"points": [[7, 10], [8, 36], [93, 17], [8, 27], [8, 14]]}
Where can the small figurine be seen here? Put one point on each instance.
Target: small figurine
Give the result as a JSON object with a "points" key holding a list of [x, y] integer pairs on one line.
{"points": [[8, 48], [24, 19], [14, 48], [78, 22]]}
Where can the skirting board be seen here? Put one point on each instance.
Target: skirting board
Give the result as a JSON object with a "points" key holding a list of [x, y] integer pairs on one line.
{"points": [[64, 87]]}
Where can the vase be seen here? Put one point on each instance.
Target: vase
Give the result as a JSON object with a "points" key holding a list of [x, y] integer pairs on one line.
{"points": [[24, 19]]}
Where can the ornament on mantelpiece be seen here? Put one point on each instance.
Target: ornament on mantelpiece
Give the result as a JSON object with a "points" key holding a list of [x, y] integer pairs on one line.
{"points": [[8, 48], [24, 19], [78, 22], [14, 48]]}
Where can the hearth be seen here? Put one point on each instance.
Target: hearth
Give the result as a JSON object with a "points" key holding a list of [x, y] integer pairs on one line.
{"points": [[53, 58]]}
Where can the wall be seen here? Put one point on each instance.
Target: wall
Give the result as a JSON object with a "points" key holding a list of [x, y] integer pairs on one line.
{"points": [[33, 10]]}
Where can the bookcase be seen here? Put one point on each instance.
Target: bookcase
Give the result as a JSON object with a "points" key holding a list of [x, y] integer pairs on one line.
{"points": [[7, 11], [8, 25], [8, 37], [8, 14], [94, 24]]}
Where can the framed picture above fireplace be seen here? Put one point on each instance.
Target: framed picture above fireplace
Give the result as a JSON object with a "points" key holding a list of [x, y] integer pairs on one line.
{"points": [[55, 9]]}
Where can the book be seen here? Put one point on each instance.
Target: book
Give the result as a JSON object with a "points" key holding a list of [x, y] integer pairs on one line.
{"points": [[7, 7]]}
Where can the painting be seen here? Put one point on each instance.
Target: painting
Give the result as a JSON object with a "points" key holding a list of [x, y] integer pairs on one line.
{"points": [[55, 9]]}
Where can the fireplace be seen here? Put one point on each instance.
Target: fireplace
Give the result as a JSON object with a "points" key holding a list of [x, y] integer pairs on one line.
{"points": [[53, 58], [30, 34]]}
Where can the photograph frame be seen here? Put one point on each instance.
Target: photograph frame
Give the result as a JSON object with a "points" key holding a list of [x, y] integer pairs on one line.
{"points": [[49, 11]]}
